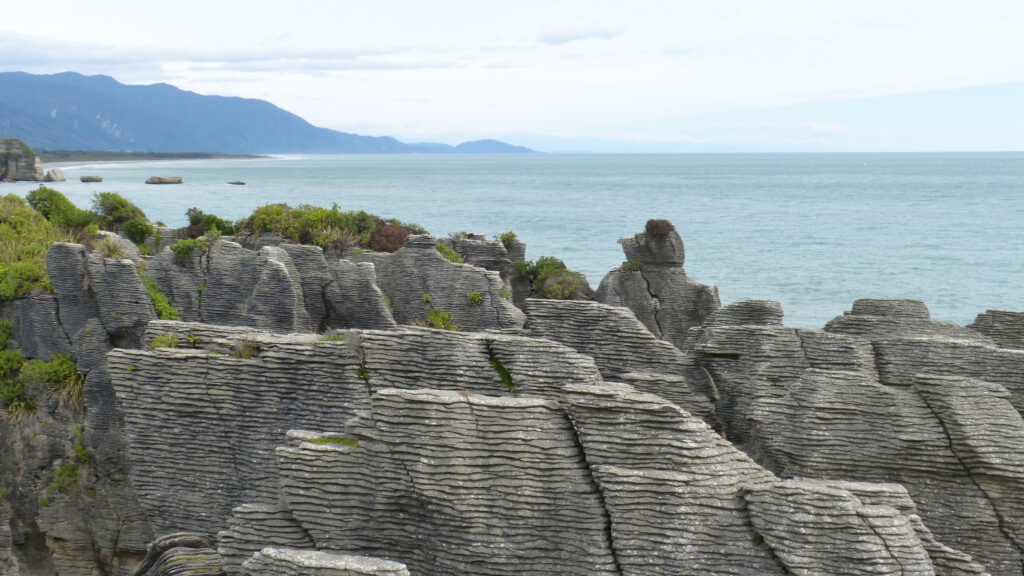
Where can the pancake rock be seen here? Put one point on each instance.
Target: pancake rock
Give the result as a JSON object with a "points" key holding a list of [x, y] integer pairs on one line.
{"points": [[18, 162], [284, 562], [1005, 328], [653, 284], [622, 348], [884, 395], [418, 279]]}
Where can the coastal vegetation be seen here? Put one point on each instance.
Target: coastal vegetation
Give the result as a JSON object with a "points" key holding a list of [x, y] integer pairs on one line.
{"points": [[550, 278], [329, 228]]}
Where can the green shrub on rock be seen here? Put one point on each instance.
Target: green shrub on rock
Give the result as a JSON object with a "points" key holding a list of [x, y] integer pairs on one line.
{"points": [[56, 208], [549, 278], [112, 209], [449, 253], [25, 237], [59, 376]]}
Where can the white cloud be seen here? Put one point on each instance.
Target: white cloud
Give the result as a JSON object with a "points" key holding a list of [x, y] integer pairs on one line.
{"points": [[597, 68]]}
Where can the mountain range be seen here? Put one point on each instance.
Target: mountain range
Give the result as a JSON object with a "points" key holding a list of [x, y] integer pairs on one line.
{"points": [[70, 111]]}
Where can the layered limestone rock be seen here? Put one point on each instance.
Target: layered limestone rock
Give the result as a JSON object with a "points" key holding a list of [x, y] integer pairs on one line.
{"points": [[514, 485], [54, 175], [18, 162], [653, 284], [8, 563], [254, 527], [283, 562], [1004, 327], [180, 554], [622, 348], [852, 403], [234, 399], [418, 279]]}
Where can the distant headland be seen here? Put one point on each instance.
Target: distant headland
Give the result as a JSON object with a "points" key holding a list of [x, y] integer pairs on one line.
{"points": [[70, 111]]}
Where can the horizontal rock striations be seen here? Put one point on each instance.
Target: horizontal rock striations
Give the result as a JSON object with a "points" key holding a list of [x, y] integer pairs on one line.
{"points": [[284, 562], [18, 162], [885, 394]]}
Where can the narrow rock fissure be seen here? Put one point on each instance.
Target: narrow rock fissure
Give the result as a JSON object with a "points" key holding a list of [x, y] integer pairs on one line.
{"points": [[656, 308], [1001, 521], [885, 545], [599, 491]]}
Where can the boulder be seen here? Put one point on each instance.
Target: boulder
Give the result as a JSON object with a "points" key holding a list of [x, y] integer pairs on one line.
{"points": [[18, 162], [90, 179], [164, 180], [54, 175], [237, 183]]}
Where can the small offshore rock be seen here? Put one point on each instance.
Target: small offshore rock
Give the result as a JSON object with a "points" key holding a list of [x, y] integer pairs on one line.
{"points": [[54, 175], [91, 179], [164, 180], [237, 183]]}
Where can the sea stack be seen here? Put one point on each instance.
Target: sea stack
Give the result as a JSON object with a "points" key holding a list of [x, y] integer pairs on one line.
{"points": [[18, 162]]}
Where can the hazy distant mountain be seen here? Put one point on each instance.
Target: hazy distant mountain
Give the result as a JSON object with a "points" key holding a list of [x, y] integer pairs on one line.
{"points": [[70, 111]]}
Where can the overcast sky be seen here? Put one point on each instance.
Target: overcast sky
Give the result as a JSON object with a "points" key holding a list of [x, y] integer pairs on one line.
{"points": [[643, 75]]}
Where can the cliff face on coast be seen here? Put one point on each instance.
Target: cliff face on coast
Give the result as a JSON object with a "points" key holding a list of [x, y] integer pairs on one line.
{"points": [[18, 162], [302, 418]]}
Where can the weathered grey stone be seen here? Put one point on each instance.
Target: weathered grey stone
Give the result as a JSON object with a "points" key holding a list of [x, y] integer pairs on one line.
{"points": [[353, 299], [66, 267], [655, 287], [418, 279], [37, 328], [227, 284], [809, 526], [644, 249], [284, 562], [314, 276], [486, 254], [622, 348], [212, 407], [90, 179], [500, 484], [181, 554], [54, 175], [8, 563], [875, 318], [825, 405], [18, 162], [254, 527], [1006, 328], [122, 299]]}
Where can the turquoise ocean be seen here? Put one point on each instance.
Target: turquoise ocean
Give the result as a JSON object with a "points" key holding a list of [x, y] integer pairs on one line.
{"points": [[814, 231]]}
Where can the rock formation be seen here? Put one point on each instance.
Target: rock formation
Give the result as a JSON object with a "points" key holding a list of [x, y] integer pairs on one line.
{"points": [[18, 162], [90, 179], [654, 286], [54, 175], [164, 180], [298, 421]]}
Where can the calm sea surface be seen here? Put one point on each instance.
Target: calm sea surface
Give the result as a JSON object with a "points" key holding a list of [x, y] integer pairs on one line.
{"points": [[813, 231]]}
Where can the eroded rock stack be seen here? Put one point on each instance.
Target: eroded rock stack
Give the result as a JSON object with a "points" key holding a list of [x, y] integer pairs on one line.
{"points": [[18, 162], [654, 286]]}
